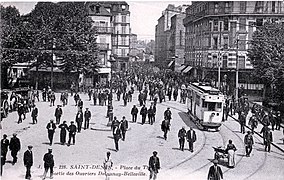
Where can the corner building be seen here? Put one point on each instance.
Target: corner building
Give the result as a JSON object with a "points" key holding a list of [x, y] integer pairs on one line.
{"points": [[216, 32]]}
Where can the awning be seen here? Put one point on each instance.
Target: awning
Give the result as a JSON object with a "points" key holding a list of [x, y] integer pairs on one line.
{"points": [[170, 64], [104, 70], [181, 68], [188, 68]]}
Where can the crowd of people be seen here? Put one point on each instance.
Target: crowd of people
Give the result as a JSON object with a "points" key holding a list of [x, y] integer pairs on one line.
{"points": [[152, 88]]}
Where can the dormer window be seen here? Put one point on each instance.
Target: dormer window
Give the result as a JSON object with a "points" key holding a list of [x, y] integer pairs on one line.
{"points": [[92, 8], [97, 9]]}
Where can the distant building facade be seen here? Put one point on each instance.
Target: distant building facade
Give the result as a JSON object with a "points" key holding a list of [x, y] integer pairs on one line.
{"points": [[217, 31], [163, 53]]}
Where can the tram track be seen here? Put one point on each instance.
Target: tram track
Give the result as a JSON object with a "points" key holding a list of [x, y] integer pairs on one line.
{"points": [[206, 135]]}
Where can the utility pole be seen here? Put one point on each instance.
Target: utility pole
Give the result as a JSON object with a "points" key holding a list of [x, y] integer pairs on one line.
{"points": [[219, 70], [52, 61], [237, 69]]}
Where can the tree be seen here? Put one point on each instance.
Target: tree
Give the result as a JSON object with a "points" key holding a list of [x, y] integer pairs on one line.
{"points": [[267, 56]]}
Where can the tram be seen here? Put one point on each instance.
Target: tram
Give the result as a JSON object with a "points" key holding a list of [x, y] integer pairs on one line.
{"points": [[205, 105]]}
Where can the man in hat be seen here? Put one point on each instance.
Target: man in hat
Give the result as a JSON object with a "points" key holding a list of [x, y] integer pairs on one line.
{"points": [[154, 165], [21, 112], [123, 127], [58, 113], [28, 161], [248, 143], [87, 116], [34, 114], [79, 120], [143, 113], [215, 172], [115, 123], [191, 138], [72, 132], [134, 112], [168, 114], [48, 163], [268, 139], [50, 130], [15, 146], [181, 137], [4, 145]]}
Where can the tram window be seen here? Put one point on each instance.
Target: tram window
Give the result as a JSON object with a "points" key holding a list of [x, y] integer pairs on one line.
{"points": [[211, 106], [204, 104], [219, 105]]}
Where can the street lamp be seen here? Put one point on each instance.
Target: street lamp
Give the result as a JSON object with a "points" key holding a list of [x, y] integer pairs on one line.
{"points": [[110, 107]]}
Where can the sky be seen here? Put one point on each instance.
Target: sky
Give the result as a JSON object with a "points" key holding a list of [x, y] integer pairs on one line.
{"points": [[144, 14]]}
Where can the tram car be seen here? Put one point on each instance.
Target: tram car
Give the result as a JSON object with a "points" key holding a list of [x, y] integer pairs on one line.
{"points": [[205, 105]]}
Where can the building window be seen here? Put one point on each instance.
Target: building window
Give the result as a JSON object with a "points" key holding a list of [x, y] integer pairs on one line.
{"points": [[216, 7], [221, 25], [225, 61], [242, 24], [226, 24], [123, 40], [215, 27], [259, 6], [123, 28], [241, 60], [210, 26], [123, 52], [273, 6], [226, 42], [242, 42], [123, 18], [242, 6], [215, 42], [259, 22], [227, 7]]}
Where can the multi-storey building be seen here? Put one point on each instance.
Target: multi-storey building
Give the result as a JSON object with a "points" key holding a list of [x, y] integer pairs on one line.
{"points": [[176, 40], [218, 34], [163, 54], [113, 20]]}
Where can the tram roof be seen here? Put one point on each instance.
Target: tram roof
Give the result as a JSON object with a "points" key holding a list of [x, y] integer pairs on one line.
{"points": [[205, 88]]}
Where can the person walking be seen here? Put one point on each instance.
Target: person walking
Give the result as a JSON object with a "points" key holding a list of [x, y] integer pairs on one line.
{"points": [[253, 122], [63, 130], [79, 120], [4, 146], [154, 166], [15, 146], [191, 138], [151, 115], [181, 137], [50, 130], [21, 112], [268, 139], [116, 136], [165, 127], [80, 104], [242, 120], [76, 98], [48, 163], [115, 123], [215, 171], [52, 99], [134, 112], [248, 143], [231, 148], [107, 165], [72, 133], [168, 114], [34, 114], [87, 116], [58, 113], [95, 97], [278, 120], [143, 113], [28, 161], [123, 127]]}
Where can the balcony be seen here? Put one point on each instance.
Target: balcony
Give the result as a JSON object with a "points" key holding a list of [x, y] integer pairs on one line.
{"points": [[103, 46], [104, 30]]}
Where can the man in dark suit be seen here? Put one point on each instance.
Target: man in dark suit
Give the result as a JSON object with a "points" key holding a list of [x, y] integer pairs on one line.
{"points": [[34, 114], [87, 116], [123, 127], [168, 114], [143, 113], [79, 120], [151, 115], [28, 161], [191, 138], [48, 163], [58, 114], [50, 130], [134, 112], [4, 146], [116, 136], [115, 123], [268, 139], [15, 146], [165, 127], [154, 166], [215, 172], [181, 137], [72, 132]]}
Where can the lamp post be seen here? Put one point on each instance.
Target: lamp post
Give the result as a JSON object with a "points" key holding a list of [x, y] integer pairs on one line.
{"points": [[110, 107]]}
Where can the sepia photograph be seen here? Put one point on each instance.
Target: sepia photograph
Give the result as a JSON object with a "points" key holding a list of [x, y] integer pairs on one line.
{"points": [[142, 90]]}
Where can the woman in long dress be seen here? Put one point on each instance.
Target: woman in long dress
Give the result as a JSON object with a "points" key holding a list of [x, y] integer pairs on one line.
{"points": [[63, 131], [231, 154]]}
